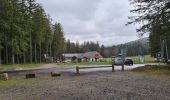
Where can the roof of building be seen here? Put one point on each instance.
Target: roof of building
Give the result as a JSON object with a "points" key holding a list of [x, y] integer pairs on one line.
{"points": [[83, 55], [89, 54], [70, 55]]}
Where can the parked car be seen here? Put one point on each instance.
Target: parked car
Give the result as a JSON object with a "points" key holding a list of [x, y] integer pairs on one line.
{"points": [[117, 61], [168, 62], [128, 62]]}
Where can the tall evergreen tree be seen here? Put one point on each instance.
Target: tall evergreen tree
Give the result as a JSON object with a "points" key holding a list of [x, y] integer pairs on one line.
{"points": [[155, 16], [38, 30], [24, 27], [58, 40]]}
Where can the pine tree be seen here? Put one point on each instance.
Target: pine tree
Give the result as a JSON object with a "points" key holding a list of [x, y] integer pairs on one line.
{"points": [[38, 30], [24, 27], [155, 15], [58, 41]]}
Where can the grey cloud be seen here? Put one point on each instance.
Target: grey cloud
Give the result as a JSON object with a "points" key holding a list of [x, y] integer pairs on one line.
{"points": [[94, 20]]}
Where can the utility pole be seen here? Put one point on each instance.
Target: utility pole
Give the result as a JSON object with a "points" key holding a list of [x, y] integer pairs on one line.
{"points": [[166, 47], [162, 42]]}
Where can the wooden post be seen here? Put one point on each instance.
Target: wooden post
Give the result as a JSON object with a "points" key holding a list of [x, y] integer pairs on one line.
{"points": [[55, 74], [4, 76], [123, 58], [30, 76], [113, 69], [77, 70], [123, 67]]}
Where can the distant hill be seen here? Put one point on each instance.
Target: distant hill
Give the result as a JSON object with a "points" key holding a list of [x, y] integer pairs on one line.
{"points": [[137, 47], [133, 48], [142, 40]]}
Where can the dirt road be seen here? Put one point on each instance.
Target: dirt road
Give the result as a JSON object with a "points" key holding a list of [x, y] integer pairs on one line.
{"points": [[101, 85]]}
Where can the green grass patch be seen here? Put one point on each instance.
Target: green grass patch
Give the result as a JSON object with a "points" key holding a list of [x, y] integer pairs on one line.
{"points": [[107, 61], [153, 69], [15, 82], [148, 59], [17, 66], [21, 65]]}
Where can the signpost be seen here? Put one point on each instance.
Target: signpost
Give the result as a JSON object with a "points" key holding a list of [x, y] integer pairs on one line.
{"points": [[123, 55], [158, 56], [141, 58]]}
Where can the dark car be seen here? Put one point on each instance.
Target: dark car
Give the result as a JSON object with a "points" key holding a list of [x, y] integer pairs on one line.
{"points": [[168, 62], [128, 62]]}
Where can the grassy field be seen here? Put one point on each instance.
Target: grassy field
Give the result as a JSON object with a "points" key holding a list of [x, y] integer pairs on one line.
{"points": [[148, 59], [107, 61]]}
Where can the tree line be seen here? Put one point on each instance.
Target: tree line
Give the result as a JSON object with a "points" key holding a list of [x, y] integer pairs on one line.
{"points": [[154, 17], [71, 47], [27, 33], [134, 48]]}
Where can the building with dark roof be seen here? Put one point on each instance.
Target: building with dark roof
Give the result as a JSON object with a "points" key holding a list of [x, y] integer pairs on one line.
{"points": [[91, 56]]}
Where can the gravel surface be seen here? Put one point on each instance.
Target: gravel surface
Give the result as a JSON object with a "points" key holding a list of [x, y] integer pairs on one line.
{"points": [[101, 85]]}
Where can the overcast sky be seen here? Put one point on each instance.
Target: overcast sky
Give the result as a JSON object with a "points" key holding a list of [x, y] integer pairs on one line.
{"points": [[92, 20]]}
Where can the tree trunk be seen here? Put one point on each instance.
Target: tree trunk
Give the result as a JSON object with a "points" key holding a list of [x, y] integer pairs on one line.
{"points": [[6, 52], [24, 58], [47, 49], [50, 49], [30, 49], [13, 59], [162, 43], [40, 52], [166, 47], [35, 53], [18, 56], [0, 58]]}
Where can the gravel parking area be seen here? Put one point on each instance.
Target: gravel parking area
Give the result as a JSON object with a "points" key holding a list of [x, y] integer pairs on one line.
{"points": [[101, 85]]}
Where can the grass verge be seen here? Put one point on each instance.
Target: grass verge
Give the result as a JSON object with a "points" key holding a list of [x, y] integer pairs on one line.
{"points": [[153, 69], [15, 82], [106, 61], [148, 59], [18, 66]]}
